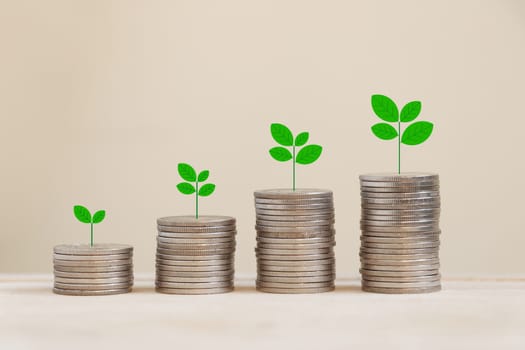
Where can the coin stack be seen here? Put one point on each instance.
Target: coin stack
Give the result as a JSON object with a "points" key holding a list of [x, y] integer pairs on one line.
{"points": [[195, 256], [101, 269], [295, 241], [400, 233]]}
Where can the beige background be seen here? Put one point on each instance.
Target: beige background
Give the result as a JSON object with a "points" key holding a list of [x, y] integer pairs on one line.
{"points": [[99, 100]]}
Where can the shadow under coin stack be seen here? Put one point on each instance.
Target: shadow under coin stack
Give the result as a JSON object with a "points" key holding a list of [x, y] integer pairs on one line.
{"points": [[101, 269], [295, 241], [195, 256], [400, 233]]}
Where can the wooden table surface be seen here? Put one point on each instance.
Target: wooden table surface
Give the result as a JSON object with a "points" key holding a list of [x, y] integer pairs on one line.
{"points": [[484, 313]]}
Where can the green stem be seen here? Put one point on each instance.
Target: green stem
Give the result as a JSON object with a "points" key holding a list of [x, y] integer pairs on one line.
{"points": [[293, 160], [196, 199], [399, 146], [92, 233]]}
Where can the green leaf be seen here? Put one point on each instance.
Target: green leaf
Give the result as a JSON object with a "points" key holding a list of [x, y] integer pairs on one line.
{"points": [[186, 188], [410, 111], [384, 131], [308, 154], [99, 216], [302, 138], [206, 190], [281, 134], [281, 154], [187, 172], [82, 214], [203, 175], [417, 133], [385, 108]]}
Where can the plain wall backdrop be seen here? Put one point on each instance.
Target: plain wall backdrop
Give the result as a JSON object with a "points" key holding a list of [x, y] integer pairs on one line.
{"points": [[99, 101]]}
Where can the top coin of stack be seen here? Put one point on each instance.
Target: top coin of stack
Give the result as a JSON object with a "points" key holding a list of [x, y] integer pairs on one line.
{"points": [[195, 256], [295, 241], [101, 269], [400, 233]]}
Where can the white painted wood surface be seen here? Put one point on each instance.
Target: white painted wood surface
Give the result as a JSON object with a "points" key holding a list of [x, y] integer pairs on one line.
{"points": [[467, 314]]}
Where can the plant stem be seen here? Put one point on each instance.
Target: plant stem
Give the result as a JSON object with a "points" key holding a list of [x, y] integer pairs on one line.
{"points": [[399, 146], [196, 199], [293, 160], [92, 233]]}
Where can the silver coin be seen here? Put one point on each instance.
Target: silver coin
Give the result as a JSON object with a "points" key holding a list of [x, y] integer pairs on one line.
{"points": [[293, 252], [415, 267], [294, 257], [407, 185], [400, 235], [202, 221], [193, 260], [294, 280], [400, 195], [294, 285], [201, 274], [93, 269], [397, 279], [397, 219], [189, 285], [395, 212], [192, 241], [197, 246], [296, 246], [399, 247], [402, 240], [403, 177], [296, 273], [191, 268], [179, 279], [90, 292], [398, 274], [296, 235], [399, 206], [295, 229], [96, 249], [295, 218], [106, 286], [91, 257], [95, 275], [193, 235], [93, 281], [383, 251], [401, 290], [431, 255], [97, 263], [399, 189], [295, 290], [394, 201], [327, 224], [395, 262], [292, 212], [298, 193], [195, 252], [400, 229], [425, 284], [269, 264], [189, 291], [292, 201], [313, 206], [294, 240], [395, 224]]}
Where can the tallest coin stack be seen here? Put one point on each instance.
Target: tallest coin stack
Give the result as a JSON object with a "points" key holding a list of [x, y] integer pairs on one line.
{"points": [[400, 233]]}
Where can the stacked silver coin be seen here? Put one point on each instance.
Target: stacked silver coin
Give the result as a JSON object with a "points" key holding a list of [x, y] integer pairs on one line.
{"points": [[400, 233], [295, 241], [101, 269], [195, 256]]}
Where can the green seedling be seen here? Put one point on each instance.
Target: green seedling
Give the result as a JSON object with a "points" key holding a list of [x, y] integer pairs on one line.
{"points": [[83, 215], [415, 134], [189, 174], [306, 155]]}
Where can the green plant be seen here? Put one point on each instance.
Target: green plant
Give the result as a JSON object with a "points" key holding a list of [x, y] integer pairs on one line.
{"points": [[306, 155], [83, 215], [415, 134], [189, 174]]}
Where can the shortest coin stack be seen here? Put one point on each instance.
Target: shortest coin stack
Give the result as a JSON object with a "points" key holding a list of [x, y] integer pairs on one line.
{"points": [[400, 233], [101, 269], [295, 241], [195, 256]]}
